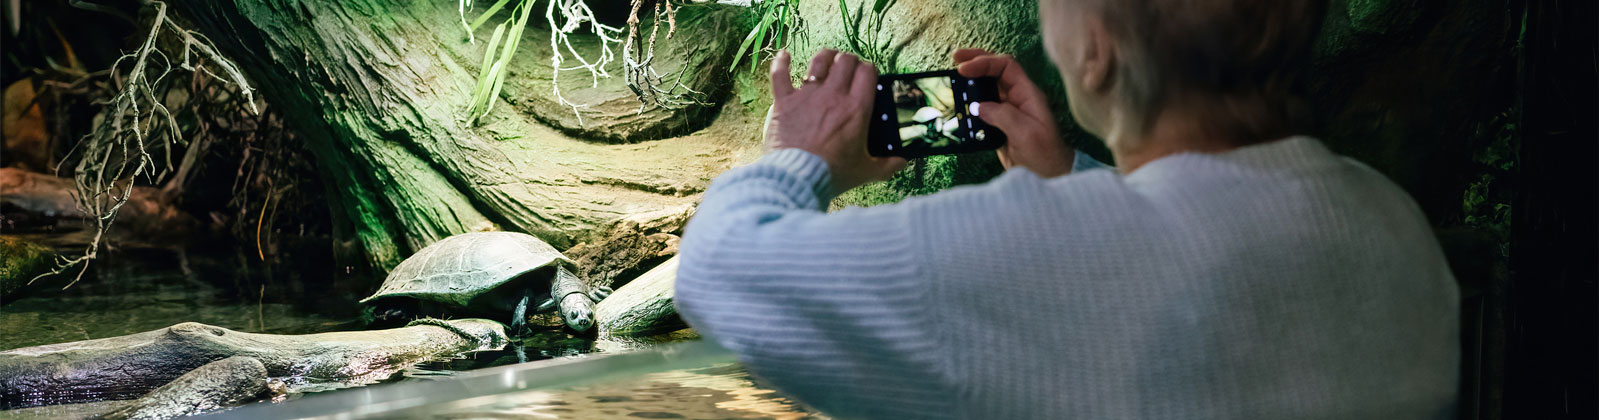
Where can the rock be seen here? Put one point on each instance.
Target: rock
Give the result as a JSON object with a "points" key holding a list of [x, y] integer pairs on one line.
{"points": [[22, 126], [129, 366], [642, 307], [629, 247], [700, 50], [217, 385], [1387, 90], [378, 91], [20, 261]]}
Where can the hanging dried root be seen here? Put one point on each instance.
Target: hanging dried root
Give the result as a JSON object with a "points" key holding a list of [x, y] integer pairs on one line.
{"points": [[568, 17], [136, 122], [641, 75], [574, 13]]}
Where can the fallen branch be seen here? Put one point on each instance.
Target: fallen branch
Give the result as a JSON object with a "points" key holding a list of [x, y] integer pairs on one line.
{"points": [[132, 365]]}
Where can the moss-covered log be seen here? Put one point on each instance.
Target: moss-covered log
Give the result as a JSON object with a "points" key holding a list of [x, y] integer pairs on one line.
{"points": [[379, 90], [132, 365]]}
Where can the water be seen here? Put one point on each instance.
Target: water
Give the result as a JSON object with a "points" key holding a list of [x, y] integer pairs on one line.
{"points": [[137, 290]]}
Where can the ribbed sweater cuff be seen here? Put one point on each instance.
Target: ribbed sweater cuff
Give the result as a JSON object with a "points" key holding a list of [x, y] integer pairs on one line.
{"points": [[804, 170]]}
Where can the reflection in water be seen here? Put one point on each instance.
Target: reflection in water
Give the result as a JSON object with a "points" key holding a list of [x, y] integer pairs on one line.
{"points": [[723, 391], [138, 290]]}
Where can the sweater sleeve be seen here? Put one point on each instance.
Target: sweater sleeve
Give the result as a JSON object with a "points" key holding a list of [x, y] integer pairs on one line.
{"points": [[831, 308]]}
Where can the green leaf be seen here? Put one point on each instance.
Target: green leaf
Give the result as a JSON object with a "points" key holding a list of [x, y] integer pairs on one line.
{"points": [[878, 8], [852, 32], [758, 33], [488, 13], [486, 72], [783, 22]]}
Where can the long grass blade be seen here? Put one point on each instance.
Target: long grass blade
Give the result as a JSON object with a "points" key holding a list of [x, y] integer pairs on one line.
{"points": [[758, 33], [486, 72], [489, 13]]}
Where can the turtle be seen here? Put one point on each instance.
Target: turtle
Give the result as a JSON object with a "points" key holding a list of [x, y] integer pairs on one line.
{"points": [[488, 274]]}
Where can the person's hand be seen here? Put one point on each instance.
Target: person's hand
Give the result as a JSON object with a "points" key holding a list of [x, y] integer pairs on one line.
{"points": [[1023, 113], [827, 116]]}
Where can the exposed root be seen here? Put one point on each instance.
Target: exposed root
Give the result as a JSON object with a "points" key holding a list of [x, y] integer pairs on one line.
{"points": [[133, 123], [641, 75]]}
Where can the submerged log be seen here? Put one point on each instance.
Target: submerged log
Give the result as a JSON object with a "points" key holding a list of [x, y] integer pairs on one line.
{"points": [[217, 385], [132, 365], [643, 306]]}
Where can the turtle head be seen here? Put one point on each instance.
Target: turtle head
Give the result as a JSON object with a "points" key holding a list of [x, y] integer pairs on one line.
{"points": [[578, 311]]}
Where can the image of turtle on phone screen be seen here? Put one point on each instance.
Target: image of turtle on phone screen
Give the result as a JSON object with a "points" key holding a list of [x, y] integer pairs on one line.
{"points": [[932, 113]]}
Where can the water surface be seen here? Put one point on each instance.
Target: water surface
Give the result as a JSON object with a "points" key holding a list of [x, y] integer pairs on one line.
{"points": [[136, 290]]}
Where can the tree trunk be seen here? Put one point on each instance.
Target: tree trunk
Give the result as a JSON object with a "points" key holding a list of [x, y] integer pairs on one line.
{"points": [[380, 89]]}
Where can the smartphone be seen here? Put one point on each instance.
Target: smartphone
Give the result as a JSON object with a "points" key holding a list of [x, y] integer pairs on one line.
{"points": [[931, 113]]}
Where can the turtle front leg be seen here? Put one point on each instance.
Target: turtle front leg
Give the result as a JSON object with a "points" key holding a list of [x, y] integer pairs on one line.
{"points": [[600, 292]]}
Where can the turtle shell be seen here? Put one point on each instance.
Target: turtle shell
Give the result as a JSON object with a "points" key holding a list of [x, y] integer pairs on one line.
{"points": [[459, 268]]}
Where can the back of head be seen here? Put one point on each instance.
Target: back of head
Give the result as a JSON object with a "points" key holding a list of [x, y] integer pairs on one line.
{"points": [[1242, 60]]}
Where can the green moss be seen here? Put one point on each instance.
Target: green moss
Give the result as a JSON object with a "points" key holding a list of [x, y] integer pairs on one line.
{"points": [[1381, 16], [20, 261], [924, 176]]}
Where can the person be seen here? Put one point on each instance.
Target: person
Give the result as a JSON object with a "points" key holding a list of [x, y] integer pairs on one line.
{"points": [[1227, 267]]}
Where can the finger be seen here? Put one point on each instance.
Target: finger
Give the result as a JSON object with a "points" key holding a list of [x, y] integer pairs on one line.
{"points": [[781, 85], [865, 86], [842, 72], [819, 65], [1001, 66], [964, 54], [1006, 117], [1005, 156], [1015, 87]]}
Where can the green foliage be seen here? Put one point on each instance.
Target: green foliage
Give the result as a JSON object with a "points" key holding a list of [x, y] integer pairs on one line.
{"points": [[496, 63], [780, 24], [1486, 204], [864, 32]]}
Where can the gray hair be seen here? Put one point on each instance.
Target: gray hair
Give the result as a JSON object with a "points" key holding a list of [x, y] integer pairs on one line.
{"points": [[1244, 57]]}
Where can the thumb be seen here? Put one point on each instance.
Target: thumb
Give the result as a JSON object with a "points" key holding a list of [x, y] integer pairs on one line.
{"points": [[886, 167], [1007, 118]]}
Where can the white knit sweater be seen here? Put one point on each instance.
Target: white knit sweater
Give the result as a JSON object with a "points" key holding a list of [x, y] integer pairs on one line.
{"points": [[1275, 281]]}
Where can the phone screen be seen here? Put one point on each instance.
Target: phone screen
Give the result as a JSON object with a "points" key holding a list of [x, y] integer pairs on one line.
{"points": [[932, 113]]}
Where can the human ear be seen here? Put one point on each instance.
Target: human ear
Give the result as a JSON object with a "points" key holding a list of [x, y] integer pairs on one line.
{"points": [[1097, 55]]}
